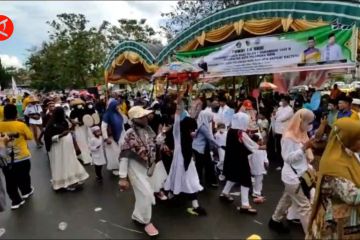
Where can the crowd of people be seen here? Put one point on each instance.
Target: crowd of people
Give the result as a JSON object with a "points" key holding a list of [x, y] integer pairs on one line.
{"points": [[178, 145]]}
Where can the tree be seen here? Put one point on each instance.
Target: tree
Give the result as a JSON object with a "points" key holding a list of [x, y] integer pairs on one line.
{"points": [[187, 13], [132, 29], [72, 58], [5, 77]]}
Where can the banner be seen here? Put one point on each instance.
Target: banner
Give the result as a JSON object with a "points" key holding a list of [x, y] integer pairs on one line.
{"points": [[328, 47]]}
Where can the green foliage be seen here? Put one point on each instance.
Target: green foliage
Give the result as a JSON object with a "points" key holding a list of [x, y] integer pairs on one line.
{"points": [[74, 55], [187, 13], [5, 77]]}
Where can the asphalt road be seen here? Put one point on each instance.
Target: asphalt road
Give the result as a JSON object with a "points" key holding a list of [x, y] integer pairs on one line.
{"points": [[41, 215]]}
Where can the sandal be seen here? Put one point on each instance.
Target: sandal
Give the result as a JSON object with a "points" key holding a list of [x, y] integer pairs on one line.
{"points": [[151, 230], [247, 210], [259, 200], [226, 198], [161, 195]]}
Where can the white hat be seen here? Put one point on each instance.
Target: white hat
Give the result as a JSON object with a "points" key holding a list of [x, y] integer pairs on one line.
{"points": [[138, 112], [356, 101]]}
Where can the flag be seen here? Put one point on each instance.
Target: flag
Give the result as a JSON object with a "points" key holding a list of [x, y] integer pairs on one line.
{"points": [[14, 87]]}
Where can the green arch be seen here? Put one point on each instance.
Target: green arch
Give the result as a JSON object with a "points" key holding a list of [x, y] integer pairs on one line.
{"points": [[133, 46], [344, 12]]}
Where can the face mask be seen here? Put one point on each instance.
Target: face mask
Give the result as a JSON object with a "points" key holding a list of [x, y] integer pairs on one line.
{"points": [[157, 112], [79, 107], [90, 106], [280, 104]]}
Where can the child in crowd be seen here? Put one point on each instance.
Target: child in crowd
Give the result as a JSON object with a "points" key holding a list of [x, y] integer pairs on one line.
{"points": [[258, 161], [263, 124], [96, 145], [220, 138]]}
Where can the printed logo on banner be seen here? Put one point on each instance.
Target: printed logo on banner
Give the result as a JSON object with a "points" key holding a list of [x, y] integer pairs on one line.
{"points": [[6, 28]]}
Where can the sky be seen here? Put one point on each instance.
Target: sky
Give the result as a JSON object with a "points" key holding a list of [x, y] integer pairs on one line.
{"points": [[30, 28]]}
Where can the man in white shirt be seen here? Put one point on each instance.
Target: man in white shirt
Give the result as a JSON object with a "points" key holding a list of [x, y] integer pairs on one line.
{"points": [[34, 112], [225, 113], [282, 116], [332, 51]]}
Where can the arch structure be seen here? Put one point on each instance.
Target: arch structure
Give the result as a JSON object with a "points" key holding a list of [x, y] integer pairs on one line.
{"points": [[131, 61], [255, 19]]}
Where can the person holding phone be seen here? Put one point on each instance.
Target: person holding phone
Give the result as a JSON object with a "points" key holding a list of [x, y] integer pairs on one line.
{"points": [[17, 171]]}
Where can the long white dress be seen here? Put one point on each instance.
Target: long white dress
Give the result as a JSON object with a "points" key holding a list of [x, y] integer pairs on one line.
{"points": [[81, 135], [65, 167], [179, 180], [112, 151], [96, 146]]}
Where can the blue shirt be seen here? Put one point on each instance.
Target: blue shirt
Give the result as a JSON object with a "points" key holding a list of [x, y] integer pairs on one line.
{"points": [[203, 136]]}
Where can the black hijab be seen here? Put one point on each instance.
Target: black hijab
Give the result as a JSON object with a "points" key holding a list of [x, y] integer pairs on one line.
{"points": [[187, 126], [57, 125]]}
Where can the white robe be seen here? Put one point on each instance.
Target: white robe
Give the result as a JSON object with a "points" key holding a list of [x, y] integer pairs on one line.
{"points": [[112, 151], [179, 180], [66, 169], [81, 136], [96, 146], [144, 186]]}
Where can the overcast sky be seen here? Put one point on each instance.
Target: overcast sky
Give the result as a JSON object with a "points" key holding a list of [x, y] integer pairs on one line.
{"points": [[30, 28]]}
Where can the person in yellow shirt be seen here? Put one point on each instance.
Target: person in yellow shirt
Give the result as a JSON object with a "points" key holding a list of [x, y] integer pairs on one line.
{"points": [[17, 173], [345, 110], [311, 54]]}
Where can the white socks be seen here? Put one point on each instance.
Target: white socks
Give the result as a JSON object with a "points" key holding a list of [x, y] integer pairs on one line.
{"points": [[195, 203], [227, 188]]}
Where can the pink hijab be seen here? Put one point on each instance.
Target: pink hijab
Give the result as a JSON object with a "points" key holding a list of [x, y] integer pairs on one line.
{"points": [[294, 131]]}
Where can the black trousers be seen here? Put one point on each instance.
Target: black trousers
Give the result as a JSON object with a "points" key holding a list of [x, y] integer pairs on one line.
{"points": [[203, 164], [279, 159], [98, 169], [18, 178]]}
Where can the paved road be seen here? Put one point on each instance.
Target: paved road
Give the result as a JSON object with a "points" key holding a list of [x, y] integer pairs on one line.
{"points": [[41, 215]]}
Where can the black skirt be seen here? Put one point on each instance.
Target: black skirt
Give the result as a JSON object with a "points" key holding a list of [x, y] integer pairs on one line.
{"points": [[236, 163]]}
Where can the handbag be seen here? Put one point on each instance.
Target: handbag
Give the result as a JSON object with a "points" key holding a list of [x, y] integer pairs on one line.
{"points": [[307, 181]]}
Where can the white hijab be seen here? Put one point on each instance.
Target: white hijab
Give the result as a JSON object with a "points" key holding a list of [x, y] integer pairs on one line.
{"points": [[240, 121]]}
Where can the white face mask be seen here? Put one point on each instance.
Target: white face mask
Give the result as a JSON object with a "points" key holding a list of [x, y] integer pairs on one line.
{"points": [[79, 107], [280, 104], [90, 106]]}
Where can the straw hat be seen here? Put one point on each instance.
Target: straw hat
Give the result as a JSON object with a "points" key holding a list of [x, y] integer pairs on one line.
{"points": [[33, 99], [138, 112], [77, 101]]}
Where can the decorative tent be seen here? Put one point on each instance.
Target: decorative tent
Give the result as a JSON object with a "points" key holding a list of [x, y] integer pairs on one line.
{"points": [[242, 21], [130, 62]]}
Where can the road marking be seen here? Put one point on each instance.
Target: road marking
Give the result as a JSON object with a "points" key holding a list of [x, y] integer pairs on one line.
{"points": [[119, 226], [258, 222]]}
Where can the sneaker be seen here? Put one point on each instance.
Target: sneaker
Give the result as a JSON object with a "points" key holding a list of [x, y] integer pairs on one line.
{"points": [[151, 230], [199, 211], [161, 195], [25, 196], [278, 227], [16, 206], [116, 173]]}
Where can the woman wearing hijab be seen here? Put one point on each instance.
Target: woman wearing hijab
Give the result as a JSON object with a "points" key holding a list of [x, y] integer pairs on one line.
{"points": [[336, 209], [296, 152], [112, 127], [81, 131], [203, 141], [183, 177], [236, 164], [138, 165], [66, 170]]}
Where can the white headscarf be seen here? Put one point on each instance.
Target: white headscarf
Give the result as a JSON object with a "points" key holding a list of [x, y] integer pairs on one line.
{"points": [[240, 121], [205, 118]]}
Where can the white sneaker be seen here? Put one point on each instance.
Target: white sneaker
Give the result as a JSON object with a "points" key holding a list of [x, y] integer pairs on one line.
{"points": [[13, 207], [29, 194]]}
